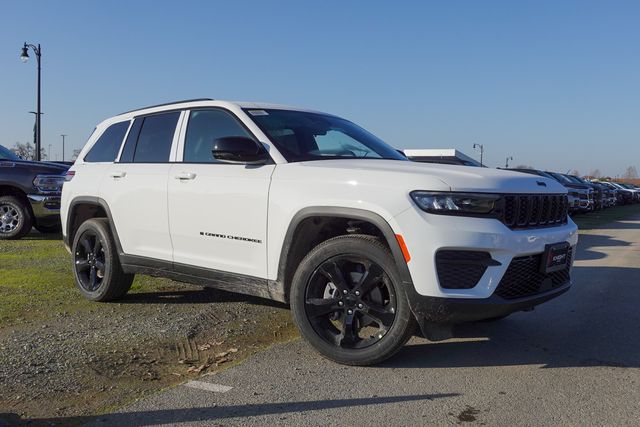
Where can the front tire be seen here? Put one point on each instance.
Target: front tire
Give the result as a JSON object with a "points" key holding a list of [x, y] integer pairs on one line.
{"points": [[96, 265], [15, 218], [348, 301]]}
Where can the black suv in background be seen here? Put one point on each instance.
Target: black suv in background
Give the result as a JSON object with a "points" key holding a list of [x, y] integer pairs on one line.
{"points": [[635, 192], [29, 195], [599, 198], [585, 192], [608, 194]]}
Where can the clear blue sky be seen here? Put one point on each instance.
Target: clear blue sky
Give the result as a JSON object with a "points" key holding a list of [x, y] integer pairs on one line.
{"points": [[554, 84]]}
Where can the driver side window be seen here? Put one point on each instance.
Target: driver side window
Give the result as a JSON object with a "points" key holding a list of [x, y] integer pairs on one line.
{"points": [[204, 127]]}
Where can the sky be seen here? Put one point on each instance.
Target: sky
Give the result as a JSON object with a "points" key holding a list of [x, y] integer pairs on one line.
{"points": [[554, 84]]}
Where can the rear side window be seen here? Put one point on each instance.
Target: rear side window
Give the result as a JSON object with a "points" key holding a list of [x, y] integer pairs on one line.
{"points": [[150, 139], [156, 135], [107, 146], [205, 126]]}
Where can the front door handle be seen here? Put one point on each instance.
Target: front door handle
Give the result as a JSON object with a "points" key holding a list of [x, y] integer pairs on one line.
{"points": [[186, 176], [118, 174]]}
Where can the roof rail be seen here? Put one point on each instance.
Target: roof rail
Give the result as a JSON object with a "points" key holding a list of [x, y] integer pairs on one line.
{"points": [[168, 103]]}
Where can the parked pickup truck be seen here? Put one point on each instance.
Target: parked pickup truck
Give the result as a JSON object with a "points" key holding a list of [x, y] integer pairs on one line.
{"points": [[310, 209], [29, 195]]}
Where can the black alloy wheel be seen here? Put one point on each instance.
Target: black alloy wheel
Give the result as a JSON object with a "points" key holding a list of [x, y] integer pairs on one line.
{"points": [[349, 302], [96, 263], [89, 261]]}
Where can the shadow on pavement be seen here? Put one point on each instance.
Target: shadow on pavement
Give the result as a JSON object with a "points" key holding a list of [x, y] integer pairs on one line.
{"points": [[587, 242], [597, 323], [181, 415], [624, 224]]}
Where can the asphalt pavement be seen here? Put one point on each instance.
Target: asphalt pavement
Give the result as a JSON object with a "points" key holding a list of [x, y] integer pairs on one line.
{"points": [[572, 361]]}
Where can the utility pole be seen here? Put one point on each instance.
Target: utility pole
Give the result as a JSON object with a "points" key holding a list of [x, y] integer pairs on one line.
{"points": [[24, 56], [481, 147], [506, 163], [63, 136]]}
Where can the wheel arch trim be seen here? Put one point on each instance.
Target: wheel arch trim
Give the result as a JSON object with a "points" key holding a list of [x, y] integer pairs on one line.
{"points": [[95, 201], [343, 212]]}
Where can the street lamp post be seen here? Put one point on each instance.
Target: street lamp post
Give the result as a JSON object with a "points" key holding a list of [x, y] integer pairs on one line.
{"points": [[24, 56], [481, 147], [63, 136], [506, 163]]}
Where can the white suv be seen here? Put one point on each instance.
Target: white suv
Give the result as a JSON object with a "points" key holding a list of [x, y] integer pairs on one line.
{"points": [[310, 209]]}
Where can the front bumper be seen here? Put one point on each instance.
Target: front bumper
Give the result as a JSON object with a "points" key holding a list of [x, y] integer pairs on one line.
{"points": [[437, 308], [449, 311], [45, 208], [425, 235]]}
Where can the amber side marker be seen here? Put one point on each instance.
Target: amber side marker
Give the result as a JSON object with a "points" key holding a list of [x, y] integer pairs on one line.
{"points": [[403, 247]]}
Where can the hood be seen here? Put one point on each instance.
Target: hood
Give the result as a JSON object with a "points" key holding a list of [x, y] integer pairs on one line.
{"points": [[437, 177], [37, 167]]}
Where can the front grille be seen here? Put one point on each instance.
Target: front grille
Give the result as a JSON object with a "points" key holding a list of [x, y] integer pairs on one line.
{"points": [[461, 269], [524, 278], [534, 210]]}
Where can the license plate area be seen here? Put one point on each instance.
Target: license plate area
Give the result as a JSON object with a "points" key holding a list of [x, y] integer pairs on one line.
{"points": [[555, 257]]}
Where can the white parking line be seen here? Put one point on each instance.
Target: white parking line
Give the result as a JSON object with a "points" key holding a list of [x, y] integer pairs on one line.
{"points": [[202, 385]]}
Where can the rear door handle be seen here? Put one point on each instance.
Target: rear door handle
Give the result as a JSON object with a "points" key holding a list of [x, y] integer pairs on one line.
{"points": [[118, 174], [186, 176]]}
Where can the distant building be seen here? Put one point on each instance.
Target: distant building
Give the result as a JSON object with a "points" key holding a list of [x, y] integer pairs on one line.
{"points": [[448, 156]]}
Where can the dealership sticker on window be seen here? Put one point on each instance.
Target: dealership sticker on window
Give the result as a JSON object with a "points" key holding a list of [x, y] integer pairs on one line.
{"points": [[258, 113]]}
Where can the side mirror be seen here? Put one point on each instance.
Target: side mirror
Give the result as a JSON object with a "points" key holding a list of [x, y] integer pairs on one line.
{"points": [[238, 149]]}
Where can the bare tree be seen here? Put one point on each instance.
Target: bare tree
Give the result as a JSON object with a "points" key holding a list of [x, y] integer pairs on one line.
{"points": [[27, 151], [575, 172], [630, 173], [524, 167], [595, 173]]}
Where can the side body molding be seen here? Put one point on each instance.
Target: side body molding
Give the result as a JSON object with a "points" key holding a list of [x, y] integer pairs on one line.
{"points": [[244, 284]]}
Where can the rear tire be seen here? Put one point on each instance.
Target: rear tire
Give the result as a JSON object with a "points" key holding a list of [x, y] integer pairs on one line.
{"points": [[348, 301], [96, 264], [15, 218]]}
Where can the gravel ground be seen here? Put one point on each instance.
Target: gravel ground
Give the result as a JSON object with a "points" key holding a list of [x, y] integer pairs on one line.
{"points": [[82, 362]]}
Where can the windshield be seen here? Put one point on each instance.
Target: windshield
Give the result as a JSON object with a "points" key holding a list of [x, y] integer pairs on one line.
{"points": [[302, 136], [573, 179], [560, 178], [6, 154], [579, 180]]}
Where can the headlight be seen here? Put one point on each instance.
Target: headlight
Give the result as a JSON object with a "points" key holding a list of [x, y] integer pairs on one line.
{"points": [[49, 183], [456, 203]]}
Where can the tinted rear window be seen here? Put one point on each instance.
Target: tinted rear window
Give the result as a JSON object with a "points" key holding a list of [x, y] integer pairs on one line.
{"points": [[155, 138], [107, 146]]}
